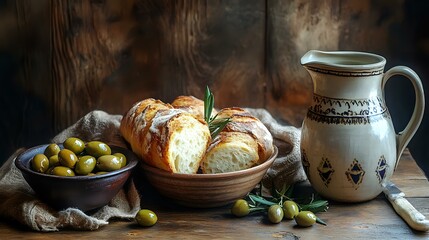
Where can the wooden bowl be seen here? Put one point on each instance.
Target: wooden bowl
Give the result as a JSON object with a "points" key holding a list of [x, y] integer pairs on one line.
{"points": [[206, 190], [82, 192]]}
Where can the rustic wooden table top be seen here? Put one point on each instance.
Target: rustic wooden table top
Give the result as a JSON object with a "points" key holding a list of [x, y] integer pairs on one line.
{"points": [[375, 219]]}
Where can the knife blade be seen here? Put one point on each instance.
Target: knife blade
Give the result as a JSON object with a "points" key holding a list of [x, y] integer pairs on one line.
{"points": [[403, 208]]}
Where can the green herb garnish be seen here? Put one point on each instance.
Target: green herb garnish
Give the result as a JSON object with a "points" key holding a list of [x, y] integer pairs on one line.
{"points": [[216, 125], [259, 204]]}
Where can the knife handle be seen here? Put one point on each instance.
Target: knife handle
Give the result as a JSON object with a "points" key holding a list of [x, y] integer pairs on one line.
{"points": [[411, 216]]}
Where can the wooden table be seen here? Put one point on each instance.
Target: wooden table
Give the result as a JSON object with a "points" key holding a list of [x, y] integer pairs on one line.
{"points": [[375, 219]]}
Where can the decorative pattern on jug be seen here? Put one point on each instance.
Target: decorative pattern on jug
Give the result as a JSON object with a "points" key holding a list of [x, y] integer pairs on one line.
{"points": [[355, 174], [381, 169], [347, 111], [325, 171], [305, 163], [374, 72]]}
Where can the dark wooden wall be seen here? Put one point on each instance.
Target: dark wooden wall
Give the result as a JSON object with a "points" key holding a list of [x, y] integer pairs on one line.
{"points": [[61, 59]]}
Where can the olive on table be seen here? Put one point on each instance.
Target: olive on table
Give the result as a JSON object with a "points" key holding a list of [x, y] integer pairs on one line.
{"points": [[275, 213], [40, 163], [67, 158], [97, 149], [108, 163], [240, 208], [122, 159], [63, 171], [74, 144], [290, 209], [51, 150], [146, 218], [305, 219], [85, 165]]}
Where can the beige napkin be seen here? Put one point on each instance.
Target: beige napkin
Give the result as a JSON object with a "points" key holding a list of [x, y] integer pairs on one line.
{"points": [[287, 168], [18, 201]]}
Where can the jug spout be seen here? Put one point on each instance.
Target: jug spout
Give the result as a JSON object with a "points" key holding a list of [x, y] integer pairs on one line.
{"points": [[348, 60], [311, 57]]}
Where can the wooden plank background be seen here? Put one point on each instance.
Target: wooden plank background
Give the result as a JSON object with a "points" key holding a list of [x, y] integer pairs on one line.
{"points": [[61, 59]]}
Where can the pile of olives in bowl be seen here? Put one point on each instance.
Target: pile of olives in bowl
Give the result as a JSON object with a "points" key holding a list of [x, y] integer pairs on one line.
{"points": [[83, 175], [77, 158]]}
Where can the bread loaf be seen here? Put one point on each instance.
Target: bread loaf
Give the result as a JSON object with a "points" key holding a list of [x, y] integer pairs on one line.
{"points": [[167, 138], [243, 143], [177, 139]]}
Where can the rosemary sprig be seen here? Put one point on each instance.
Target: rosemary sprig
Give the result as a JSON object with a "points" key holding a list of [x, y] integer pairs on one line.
{"points": [[216, 125]]}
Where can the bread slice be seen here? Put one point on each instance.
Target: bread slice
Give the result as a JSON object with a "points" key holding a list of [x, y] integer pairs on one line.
{"points": [[230, 151], [243, 143], [177, 141], [243, 121]]}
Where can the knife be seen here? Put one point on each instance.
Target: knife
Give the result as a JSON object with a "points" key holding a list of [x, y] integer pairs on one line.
{"points": [[403, 208]]}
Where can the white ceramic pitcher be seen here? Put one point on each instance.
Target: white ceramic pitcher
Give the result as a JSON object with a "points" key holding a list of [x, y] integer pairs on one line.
{"points": [[349, 146]]}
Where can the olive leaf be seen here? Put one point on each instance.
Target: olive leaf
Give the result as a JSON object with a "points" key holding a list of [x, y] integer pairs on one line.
{"points": [[216, 125], [314, 203]]}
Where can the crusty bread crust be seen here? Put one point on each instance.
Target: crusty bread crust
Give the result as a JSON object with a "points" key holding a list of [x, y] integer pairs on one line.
{"points": [[192, 105], [134, 123]]}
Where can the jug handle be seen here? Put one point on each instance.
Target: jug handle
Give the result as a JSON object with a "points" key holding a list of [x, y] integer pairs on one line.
{"points": [[404, 137]]}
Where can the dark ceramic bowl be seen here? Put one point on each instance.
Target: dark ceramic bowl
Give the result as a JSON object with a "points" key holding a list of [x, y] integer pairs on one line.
{"points": [[82, 192]]}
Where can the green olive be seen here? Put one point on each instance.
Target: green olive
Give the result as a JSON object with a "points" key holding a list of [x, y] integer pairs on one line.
{"points": [[54, 161], [85, 165], [63, 171], [240, 208], [290, 209], [40, 163], [146, 218], [275, 213], [51, 150], [67, 158], [74, 144], [108, 163], [49, 171], [122, 159], [97, 149], [100, 173], [305, 219]]}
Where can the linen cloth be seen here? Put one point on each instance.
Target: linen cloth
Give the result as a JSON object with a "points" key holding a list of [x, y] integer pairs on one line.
{"points": [[19, 202]]}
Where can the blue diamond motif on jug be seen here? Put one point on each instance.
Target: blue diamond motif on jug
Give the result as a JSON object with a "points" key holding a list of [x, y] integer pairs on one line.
{"points": [[305, 163], [355, 174], [381, 169], [325, 171]]}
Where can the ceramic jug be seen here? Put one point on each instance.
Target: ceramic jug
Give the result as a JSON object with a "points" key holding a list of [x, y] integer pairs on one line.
{"points": [[349, 146]]}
